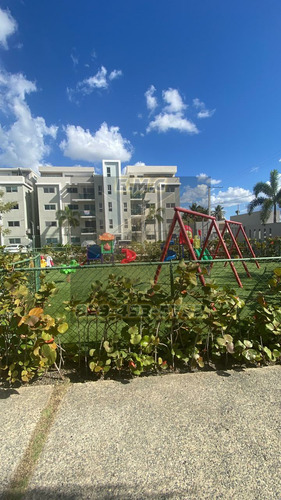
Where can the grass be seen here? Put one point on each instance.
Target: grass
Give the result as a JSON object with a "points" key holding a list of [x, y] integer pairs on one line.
{"points": [[77, 285]]}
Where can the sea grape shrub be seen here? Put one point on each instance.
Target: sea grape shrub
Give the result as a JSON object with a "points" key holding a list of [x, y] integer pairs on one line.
{"points": [[27, 346]]}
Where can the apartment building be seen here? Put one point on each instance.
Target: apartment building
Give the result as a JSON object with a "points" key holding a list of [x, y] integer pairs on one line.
{"points": [[19, 225], [134, 205]]}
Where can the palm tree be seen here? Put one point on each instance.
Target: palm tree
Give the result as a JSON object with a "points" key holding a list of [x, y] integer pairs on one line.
{"points": [[218, 212], [154, 216], [271, 199], [69, 219]]}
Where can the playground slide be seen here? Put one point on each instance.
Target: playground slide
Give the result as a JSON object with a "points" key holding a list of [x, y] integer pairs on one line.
{"points": [[171, 255], [206, 254], [130, 256]]}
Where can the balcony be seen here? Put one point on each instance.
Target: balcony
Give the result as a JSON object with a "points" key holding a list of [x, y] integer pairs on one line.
{"points": [[88, 230], [87, 214], [136, 228], [136, 211], [83, 197]]}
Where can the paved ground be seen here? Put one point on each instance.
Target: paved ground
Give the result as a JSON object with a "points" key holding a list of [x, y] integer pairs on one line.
{"points": [[211, 435], [20, 411]]}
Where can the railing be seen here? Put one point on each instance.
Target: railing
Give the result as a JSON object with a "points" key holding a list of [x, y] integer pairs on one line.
{"points": [[87, 213], [88, 230]]}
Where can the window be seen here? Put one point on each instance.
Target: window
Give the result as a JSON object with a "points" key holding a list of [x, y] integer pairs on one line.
{"points": [[49, 190], [11, 189], [13, 223], [89, 223], [75, 239], [101, 224], [51, 240], [50, 207], [255, 233], [16, 206], [72, 206], [110, 206], [108, 173], [88, 206], [110, 223], [51, 223], [150, 205], [170, 205], [170, 189], [264, 232], [89, 191], [151, 237], [125, 207], [100, 207], [126, 225], [72, 190], [124, 189], [14, 240], [100, 190], [109, 189]]}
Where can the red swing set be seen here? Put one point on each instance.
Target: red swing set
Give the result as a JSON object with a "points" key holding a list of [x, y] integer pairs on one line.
{"points": [[184, 234]]}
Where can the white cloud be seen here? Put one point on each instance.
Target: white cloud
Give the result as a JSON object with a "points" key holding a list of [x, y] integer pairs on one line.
{"points": [[168, 121], [198, 194], [172, 115], [116, 73], [99, 81], [203, 111], [204, 178], [107, 142], [255, 169], [151, 101], [231, 197], [74, 58], [174, 101], [23, 138], [139, 164], [197, 103], [8, 26]]}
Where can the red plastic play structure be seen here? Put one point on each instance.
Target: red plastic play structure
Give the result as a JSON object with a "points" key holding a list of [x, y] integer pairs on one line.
{"points": [[202, 252], [130, 256]]}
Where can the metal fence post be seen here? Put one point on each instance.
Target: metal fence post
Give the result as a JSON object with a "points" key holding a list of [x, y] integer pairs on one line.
{"points": [[172, 279]]}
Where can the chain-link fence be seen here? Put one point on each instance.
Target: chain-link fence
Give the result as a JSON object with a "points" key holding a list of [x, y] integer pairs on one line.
{"points": [[75, 284]]}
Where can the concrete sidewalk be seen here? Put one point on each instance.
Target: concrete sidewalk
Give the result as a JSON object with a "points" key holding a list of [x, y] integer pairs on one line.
{"points": [[207, 435]]}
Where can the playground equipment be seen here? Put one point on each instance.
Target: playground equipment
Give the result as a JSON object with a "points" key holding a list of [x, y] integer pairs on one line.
{"points": [[171, 254], [130, 256], [107, 245], [66, 269], [93, 253], [199, 254]]}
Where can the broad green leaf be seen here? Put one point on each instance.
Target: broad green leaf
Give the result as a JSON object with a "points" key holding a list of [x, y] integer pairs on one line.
{"points": [[221, 341], [135, 339], [62, 328]]}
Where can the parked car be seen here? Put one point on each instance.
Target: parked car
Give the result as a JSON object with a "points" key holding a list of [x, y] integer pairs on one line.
{"points": [[15, 248]]}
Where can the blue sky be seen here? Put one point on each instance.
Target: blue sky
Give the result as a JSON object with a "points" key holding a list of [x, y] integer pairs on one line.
{"points": [[189, 83]]}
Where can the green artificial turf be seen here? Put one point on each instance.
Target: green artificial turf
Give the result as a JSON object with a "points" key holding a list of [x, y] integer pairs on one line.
{"points": [[77, 285]]}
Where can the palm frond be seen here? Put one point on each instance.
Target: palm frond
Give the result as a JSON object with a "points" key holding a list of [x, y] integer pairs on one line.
{"points": [[256, 202], [262, 187], [266, 210]]}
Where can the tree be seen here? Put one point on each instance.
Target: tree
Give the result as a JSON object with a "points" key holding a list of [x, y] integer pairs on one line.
{"points": [[69, 219], [154, 216], [4, 208], [271, 199], [218, 212]]}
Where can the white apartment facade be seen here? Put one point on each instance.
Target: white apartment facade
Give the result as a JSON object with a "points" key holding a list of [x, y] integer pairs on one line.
{"points": [[111, 201]]}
